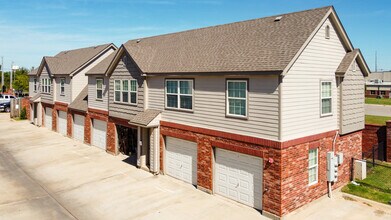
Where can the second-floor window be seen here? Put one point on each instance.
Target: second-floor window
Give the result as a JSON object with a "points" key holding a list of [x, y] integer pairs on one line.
{"points": [[62, 86], [237, 98], [35, 85], [99, 88], [46, 85], [125, 91], [326, 98], [179, 94]]}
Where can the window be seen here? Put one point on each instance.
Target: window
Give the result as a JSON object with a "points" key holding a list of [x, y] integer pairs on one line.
{"points": [[179, 94], [237, 98], [327, 32], [313, 166], [99, 88], [42, 85], [62, 86], [35, 84], [373, 92], [45, 85], [326, 99], [382, 92], [49, 85], [125, 91]]}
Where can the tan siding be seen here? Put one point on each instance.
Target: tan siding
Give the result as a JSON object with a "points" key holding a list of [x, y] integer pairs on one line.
{"points": [[92, 101], [128, 71], [353, 112], [301, 87], [210, 106], [66, 98], [31, 85], [46, 96]]}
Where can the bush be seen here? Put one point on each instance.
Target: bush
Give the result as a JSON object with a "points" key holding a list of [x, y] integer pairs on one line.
{"points": [[23, 114]]}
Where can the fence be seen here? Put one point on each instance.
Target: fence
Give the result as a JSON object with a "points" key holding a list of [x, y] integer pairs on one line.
{"points": [[17, 106], [376, 142]]}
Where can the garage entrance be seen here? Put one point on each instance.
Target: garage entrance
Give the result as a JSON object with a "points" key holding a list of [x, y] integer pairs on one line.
{"points": [[127, 143], [239, 177]]}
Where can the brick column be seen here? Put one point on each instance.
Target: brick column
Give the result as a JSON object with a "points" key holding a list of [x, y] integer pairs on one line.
{"points": [[111, 138], [54, 119], [87, 129], [69, 124], [388, 142], [162, 147], [204, 165], [43, 116]]}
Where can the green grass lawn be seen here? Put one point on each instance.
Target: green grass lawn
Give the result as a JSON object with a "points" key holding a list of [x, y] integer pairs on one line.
{"points": [[377, 185], [376, 101], [377, 120]]}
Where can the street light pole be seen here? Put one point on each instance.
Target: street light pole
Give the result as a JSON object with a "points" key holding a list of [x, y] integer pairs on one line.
{"points": [[2, 73], [12, 71]]}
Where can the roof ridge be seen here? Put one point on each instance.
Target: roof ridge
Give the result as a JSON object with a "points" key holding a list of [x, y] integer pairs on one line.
{"points": [[83, 48], [237, 22]]}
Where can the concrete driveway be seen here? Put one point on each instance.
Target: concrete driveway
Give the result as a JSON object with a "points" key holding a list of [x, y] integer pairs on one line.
{"points": [[380, 110], [44, 175]]}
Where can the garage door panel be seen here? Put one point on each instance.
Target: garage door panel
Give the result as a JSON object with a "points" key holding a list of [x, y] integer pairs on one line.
{"points": [[78, 127], [99, 129], [239, 177], [48, 118], [181, 159], [62, 122]]}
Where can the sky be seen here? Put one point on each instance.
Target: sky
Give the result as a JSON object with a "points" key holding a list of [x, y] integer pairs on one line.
{"points": [[31, 29]]}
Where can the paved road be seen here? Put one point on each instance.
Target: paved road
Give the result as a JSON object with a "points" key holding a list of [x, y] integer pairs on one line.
{"points": [[380, 110], [46, 176]]}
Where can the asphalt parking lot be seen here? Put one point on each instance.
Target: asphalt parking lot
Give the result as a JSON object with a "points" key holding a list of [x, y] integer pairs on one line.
{"points": [[44, 175]]}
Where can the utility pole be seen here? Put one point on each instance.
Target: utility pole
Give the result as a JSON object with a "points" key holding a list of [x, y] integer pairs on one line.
{"points": [[376, 61], [11, 73], [2, 72]]}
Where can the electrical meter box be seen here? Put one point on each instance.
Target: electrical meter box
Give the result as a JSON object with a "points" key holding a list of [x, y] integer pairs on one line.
{"points": [[332, 167], [340, 158]]}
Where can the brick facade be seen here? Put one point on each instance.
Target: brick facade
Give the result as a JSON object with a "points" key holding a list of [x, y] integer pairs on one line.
{"points": [[25, 103], [87, 129], [103, 116], [285, 179], [377, 93], [373, 135], [69, 124]]}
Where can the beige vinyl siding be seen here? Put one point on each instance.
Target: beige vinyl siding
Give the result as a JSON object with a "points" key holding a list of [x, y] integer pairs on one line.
{"points": [[352, 101], [80, 80], [300, 101], [128, 71], [92, 101], [209, 110], [31, 86], [48, 97], [66, 97]]}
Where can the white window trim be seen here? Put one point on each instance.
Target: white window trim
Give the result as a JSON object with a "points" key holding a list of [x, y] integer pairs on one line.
{"points": [[96, 88], [179, 95], [330, 97], [129, 92], [227, 99], [62, 86], [316, 166]]}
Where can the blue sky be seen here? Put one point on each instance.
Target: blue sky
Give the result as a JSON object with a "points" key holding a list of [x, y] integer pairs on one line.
{"points": [[30, 29]]}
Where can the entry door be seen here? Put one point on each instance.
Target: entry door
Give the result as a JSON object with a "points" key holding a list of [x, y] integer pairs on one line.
{"points": [[78, 127], [99, 129], [181, 159], [48, 118], [62, 122], [239, 177]]}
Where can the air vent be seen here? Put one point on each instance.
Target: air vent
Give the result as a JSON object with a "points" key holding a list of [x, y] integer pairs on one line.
{"points": [[278, 18], [138, 41]]}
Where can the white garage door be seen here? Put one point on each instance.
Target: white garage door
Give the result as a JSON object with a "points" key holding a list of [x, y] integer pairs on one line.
{"points": [[62, 122], [78, 127], [99, 134], [239, 177], [48, 118], [181, 159]]}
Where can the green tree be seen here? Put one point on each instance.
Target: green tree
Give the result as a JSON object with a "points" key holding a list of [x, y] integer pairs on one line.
{"points": [[21, 81]]}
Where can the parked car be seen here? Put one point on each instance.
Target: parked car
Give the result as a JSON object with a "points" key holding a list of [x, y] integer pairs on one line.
{"points": [[5, 106], [6, 98]]}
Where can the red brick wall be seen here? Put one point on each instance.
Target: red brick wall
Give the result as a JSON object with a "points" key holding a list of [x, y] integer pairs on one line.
{"points": [[54, 120], [43, 116], [295, 189], [372, 135], [69, 124], [87, 129], [25, 103], [388, 149], [368, 94], [285, 180], [111, 137]]}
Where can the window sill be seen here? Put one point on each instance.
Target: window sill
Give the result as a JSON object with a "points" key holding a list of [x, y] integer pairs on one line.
{"points": [[62, 94], [326, 115], [237, 117], [313, 185], [99, 100], [125, 103], [179, 110]]}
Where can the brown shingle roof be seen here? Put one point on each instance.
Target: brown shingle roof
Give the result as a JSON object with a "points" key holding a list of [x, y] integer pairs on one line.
{"points": [[347, 61], [145, 117], [81, 101], [101, 67], [254, 45], [67, 62]]}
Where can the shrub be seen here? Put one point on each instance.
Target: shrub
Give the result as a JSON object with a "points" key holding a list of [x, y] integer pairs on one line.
{"points": [[23, 114]]}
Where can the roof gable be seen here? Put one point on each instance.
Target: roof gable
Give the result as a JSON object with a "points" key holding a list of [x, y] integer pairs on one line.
{"points": [[348, 60]]}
